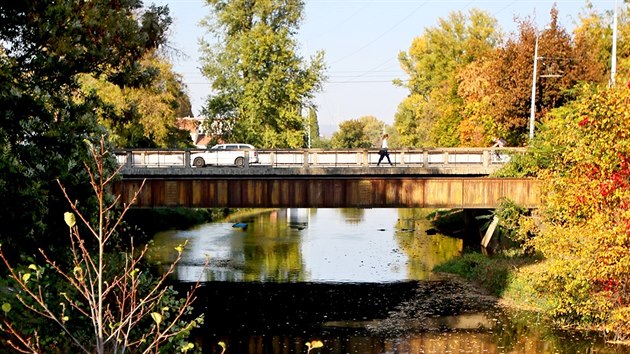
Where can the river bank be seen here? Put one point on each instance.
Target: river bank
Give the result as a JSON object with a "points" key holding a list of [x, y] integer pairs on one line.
{"points": [[511, 279]]}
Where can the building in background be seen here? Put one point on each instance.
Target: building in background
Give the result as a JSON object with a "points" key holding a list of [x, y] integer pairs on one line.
{"points": [[195, 126]]}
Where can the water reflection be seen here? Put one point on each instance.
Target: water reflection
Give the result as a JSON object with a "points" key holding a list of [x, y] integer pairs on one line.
{"points": [[316, 245], [286, 277]]}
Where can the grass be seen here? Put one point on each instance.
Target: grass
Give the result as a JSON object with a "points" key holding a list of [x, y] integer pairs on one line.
{"points": [[506, 275]]}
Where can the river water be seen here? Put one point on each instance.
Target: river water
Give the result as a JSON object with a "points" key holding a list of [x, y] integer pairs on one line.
{"points": [[357, 280]]}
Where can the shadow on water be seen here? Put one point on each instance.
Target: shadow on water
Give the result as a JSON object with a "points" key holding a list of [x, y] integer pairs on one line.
{"points": [[430, 316], [360, 281]]}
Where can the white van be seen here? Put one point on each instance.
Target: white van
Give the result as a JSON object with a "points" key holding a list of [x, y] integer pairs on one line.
{"points": [[225, 155]]}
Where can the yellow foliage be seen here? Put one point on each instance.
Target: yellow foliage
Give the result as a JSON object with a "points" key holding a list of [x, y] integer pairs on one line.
{"points": [[152, 106], [585, 232]]}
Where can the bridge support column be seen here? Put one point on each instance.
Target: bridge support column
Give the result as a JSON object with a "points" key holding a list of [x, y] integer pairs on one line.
{"points": [[129, 161], [305, 159], [187, 159], [486, 158]]}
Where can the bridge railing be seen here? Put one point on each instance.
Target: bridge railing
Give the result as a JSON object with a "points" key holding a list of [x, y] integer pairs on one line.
{"points": [[432, 157]]}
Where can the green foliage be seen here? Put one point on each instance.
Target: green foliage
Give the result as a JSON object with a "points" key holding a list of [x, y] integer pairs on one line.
{"points": [[414, 120], [44, 114], [321, 143], [144, 114], [430, 115], [479, 268], [312, 125], [513, 219], [509, 213], [364, 132], [94, 302], [260, 84]]}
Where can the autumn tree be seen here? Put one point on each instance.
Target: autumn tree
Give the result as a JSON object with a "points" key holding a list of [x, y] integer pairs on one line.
{"points": [[593, 43], [260, 83], [585, 227], [430, 114], [497, 91]]}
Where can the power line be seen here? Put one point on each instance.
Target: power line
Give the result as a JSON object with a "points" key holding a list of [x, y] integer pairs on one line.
{"points": [[381, 35]]}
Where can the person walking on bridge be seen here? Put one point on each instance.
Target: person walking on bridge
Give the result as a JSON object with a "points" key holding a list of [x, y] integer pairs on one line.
{"points": [[383, 151]]}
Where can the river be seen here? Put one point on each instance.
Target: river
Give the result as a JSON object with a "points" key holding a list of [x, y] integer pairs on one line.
{"points": [[357, 280]]}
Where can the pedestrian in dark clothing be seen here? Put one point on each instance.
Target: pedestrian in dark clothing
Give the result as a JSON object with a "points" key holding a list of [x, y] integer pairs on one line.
{"points": [[383, 151]]}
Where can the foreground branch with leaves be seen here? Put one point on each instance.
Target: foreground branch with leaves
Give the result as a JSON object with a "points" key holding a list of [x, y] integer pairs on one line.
{"points": [[128, 309]]}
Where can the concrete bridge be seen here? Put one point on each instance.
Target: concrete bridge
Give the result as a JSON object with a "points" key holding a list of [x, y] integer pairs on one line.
{"points": [[426, 178]]}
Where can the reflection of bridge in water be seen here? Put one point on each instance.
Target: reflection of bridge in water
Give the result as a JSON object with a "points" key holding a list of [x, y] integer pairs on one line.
{"points": [[454, 178]]}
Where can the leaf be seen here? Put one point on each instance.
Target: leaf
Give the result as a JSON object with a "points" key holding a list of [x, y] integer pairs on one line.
{"points": [[156, 317], [26, 277], [187, 347], [33, 267], [78, 272], [64, 319], [69, 218], [316, 344], [6, 307]]}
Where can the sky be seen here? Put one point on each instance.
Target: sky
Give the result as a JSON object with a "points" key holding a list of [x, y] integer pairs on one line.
{"points": [[361, 40]]}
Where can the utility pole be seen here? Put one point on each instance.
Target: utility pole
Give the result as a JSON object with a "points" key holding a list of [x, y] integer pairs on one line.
{"points": [[532, 109], [613, 60]]}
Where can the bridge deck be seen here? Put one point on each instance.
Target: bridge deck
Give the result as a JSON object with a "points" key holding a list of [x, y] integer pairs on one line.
{"points": [[329, 192]]}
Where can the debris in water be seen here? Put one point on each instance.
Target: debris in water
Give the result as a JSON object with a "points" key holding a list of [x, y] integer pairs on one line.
{"points": [[240, 225]]}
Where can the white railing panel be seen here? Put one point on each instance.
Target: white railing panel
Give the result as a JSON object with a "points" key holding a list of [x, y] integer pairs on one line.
{"points": [[465, 158], [436, 158], [413, 157], [157, 159], [331, 158]]}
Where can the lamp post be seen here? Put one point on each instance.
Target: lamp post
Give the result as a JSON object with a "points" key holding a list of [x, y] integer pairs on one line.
{"points": [[532, 109]]}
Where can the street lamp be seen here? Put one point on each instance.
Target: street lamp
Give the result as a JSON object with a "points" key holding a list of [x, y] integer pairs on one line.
{"points": [[532, 109]]}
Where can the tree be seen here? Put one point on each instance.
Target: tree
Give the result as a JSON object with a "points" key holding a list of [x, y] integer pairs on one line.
{"points": [[364, 132], [143, 115], [350, 136], [259, 82], [312, 127], [585, 230], [430, 115], [373, 129], [115, 298], [44, 115], [496, 91]]}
